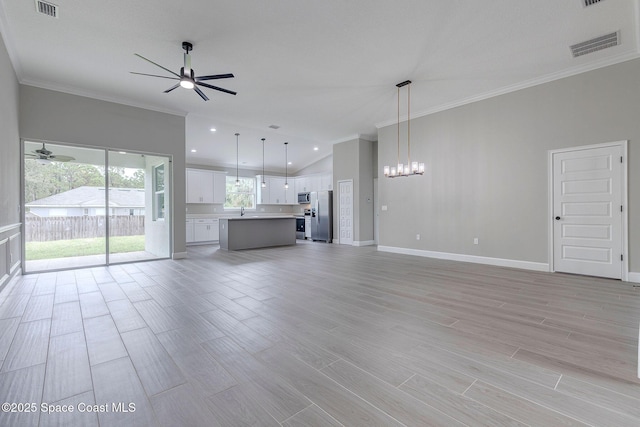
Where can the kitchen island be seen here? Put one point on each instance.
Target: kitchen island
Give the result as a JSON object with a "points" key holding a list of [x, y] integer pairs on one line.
{"points": [[251, 232]]}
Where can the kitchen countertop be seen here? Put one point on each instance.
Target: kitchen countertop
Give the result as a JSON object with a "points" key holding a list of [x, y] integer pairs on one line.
{"points": [[246, 217]]}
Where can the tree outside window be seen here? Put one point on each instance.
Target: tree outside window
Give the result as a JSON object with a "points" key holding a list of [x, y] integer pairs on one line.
{"points": [[242, 196]]}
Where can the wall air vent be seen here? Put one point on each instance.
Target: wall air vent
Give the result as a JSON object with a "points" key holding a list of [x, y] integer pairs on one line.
{"points": [[46, 8], [594, 45], [587, 3]]}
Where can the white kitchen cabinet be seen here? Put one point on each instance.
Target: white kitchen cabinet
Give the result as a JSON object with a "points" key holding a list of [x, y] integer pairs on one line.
{"points": [[199, 186], [314, 182], [219, 187], [290, 194], [277, 195], [307, 226], [190, 231], [262, 194], [326, 182], [206, 230], [302, 184], [204, 186]]}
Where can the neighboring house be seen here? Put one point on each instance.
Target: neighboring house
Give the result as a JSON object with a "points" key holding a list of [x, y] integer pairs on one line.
{"points": [[89, 201]]}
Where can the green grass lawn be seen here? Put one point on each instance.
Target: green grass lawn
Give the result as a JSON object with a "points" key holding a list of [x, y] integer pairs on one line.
{"points": [[81, 247]]}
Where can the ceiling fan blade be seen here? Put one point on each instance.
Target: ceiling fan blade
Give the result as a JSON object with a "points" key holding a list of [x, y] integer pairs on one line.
{"points": [[199, 92], [154, 75], [214, 77], [217, 88], [171, 88], [157, 65], [31, 156], [61, 158]]}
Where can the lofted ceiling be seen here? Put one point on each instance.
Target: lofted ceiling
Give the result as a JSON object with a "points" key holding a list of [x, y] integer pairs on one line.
{"points": [[322, 71]]}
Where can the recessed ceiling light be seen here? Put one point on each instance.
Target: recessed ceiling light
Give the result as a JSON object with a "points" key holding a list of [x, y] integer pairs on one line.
{"points": [[193, 150], [122, 152], [212, 129], [289, 163], [315, 148]]}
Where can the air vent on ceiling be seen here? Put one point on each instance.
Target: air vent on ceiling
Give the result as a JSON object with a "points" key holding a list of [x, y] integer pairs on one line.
{"points": [[46, 8], [596, 44], [274, 127], [587, 3]]}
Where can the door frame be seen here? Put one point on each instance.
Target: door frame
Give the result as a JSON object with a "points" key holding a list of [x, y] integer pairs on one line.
{"points": [[624, 184]]}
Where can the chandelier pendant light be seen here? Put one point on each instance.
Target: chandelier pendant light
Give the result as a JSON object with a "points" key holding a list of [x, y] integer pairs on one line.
{"points": [[263, 184], [411, 167], [237, 151], [286, 163]]}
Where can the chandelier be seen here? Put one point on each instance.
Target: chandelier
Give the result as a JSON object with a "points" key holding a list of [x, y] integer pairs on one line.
{"points": [[411, 167]]}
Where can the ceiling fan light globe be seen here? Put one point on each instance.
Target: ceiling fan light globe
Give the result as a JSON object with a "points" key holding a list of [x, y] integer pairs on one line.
{"points": [[186, 83]]}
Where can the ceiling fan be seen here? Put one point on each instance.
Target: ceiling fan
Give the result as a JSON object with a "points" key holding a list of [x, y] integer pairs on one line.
{"points": [[45, 156], [187, 78]]}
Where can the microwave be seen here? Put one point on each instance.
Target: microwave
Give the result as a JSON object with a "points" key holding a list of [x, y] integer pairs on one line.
{"points": [[304, 198]]}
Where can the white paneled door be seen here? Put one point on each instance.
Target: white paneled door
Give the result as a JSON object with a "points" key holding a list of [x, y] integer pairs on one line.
{"points": [[345, 214], [587, 211]]}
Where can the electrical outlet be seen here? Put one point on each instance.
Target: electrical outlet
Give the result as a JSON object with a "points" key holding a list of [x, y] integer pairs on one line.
{"points": [[418, 236], [475, 240], [384, 207]]}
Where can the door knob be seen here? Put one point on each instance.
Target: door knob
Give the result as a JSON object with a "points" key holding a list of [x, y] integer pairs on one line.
{"points": [[557, 218]]}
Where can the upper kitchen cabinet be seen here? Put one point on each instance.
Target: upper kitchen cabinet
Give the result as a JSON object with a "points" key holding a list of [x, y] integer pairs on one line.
{"points": [[204, 186], [326, 181], [302, 184], [219, 187], [275, 193], [316, 182]]}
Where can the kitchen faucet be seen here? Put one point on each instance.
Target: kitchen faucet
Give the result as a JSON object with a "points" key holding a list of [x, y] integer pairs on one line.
{"points": [[242, 211]]}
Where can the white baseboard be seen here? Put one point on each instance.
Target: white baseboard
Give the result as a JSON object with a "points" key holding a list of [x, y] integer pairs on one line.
{"points": [[633, 277], [179, 255], [525, 265], [364, 243]]}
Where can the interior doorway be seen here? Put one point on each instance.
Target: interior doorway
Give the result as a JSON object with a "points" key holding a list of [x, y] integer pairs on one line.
{"points": [[588, 210], [89, 207]]}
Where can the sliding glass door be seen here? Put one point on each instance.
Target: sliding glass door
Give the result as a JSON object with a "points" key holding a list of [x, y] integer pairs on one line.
{"points": [[139, 223], [87, 207]]}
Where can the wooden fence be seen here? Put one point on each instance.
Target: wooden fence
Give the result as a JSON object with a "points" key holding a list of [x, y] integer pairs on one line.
{"points": [[44, 229]]}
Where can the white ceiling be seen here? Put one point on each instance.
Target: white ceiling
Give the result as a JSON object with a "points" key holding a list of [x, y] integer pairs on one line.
{"points": [[324, 71]]}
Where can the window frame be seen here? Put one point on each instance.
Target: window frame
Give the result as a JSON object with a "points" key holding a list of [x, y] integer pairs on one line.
{"points": [[230, 182], [158, 193]]}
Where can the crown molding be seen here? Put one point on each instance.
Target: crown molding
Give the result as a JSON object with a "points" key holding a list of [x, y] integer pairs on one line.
{"points": [[519, 86]]}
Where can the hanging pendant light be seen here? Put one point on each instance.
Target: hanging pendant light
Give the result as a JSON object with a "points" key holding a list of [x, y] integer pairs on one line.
{"points": [[237, 151], [286, 162], [263, 184], [412, 167]]}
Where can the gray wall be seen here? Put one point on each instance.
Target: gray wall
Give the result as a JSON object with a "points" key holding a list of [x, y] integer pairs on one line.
{"points": [[61, 117], [486, 166], [10, 250], [354, 160], [321, 166]]}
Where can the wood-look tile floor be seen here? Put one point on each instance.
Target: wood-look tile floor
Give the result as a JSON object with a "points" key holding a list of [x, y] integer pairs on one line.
{"points": [[317, 335]]}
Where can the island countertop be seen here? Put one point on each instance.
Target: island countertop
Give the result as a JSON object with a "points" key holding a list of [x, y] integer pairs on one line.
{"points": [[250, 232], [235, 218]]}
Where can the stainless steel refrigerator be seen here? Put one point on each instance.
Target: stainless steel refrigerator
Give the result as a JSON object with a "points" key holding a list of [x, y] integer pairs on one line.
{"points": [[322, 215]]}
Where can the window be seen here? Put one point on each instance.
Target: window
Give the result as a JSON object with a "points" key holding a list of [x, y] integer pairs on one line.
{"points": [[242, 196], [158, 192]]}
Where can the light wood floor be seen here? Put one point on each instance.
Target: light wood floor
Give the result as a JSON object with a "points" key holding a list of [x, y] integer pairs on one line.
{"points": [[316, 335]]}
